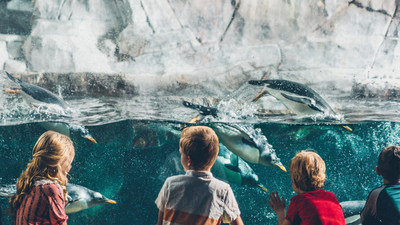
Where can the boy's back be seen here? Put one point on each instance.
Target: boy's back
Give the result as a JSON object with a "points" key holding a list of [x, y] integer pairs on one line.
{"points": [[383, 206], [383, 203], [197, 198]]}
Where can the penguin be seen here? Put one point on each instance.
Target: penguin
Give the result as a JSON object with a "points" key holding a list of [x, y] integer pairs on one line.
{"points": [[8, 190], [252, 147], [247, 143], [79, 197], [299, 98], [233, 169], [39, 98], [352, 211]]}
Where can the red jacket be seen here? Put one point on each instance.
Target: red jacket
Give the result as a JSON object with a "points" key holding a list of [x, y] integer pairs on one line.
{"points": [[317, 207]]}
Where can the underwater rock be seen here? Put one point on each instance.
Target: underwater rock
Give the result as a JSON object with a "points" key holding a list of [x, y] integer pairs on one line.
{"points": [[144, 137]]}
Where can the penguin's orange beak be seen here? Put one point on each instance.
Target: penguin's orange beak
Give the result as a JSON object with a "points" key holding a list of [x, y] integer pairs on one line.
{"points": [[11, 91], [91, 139]]}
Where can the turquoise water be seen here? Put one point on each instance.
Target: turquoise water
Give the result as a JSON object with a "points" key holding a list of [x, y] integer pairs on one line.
{"points": [[133, 157]]}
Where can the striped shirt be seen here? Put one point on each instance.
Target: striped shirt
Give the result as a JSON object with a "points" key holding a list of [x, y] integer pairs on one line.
{"points": [[43, 205], [196, 198]]}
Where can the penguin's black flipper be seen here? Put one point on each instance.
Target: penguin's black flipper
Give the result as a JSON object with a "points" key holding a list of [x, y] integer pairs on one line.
{"points": [[257, 82], [204, 110], [303, 100]]}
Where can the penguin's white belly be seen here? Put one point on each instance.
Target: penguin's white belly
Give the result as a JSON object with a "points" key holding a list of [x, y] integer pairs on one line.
{"points": [[76, 207], [300, 109], [244, 151], [353, 219]]}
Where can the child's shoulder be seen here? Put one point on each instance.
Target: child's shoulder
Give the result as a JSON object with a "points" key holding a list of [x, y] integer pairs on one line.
{"points": [[319, 193], [221, 182], [45, 182], [174, 178], [48, 185]]}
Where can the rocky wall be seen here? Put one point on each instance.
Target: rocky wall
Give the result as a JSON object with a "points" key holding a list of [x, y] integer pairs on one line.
{"points": [[331, 41]]}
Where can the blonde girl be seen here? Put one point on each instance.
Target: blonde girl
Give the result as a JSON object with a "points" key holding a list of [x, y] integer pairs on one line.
{"points": [[312, 204], [41, 188]]}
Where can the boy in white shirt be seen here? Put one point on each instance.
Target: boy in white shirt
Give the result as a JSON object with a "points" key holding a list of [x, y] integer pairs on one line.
{"points": [[197, 197]]}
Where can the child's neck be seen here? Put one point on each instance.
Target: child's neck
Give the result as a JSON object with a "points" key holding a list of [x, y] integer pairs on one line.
{"points": [[205, 169], [387, 182]]}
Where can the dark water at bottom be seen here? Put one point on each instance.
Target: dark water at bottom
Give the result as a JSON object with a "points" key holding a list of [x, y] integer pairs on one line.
{"points": [[133, 158]]}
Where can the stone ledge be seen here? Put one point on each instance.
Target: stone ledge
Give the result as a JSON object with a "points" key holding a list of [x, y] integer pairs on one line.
{"points": [[82, 84]]}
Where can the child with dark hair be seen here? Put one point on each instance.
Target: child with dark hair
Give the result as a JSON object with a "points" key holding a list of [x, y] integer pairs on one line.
{"points": [[312, 205], [383, 203], [197, 197]]}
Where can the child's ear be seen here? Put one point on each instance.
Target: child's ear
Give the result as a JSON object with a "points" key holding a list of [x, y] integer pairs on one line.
{"points": [[189, 161]]}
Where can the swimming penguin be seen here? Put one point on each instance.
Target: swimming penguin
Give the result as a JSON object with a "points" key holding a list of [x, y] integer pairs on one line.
{"points": [[250, 147], [79, 197], [352, 211], [248, 144], [299, 98], [233, 169], [8, 190], [38, 98]]}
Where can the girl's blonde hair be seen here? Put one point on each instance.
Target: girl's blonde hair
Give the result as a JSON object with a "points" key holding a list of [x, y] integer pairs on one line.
{"points": [[307, 170], [50, 151]]}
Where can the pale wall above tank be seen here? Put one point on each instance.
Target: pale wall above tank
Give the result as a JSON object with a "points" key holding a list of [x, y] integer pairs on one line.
{"points": [[311, 41]]}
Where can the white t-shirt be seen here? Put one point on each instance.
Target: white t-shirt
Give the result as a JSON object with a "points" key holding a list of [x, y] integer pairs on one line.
{"points": [[197, 198]]}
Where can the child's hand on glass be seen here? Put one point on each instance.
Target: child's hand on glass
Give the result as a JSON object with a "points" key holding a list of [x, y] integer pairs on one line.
{"points": [[276, 203]]}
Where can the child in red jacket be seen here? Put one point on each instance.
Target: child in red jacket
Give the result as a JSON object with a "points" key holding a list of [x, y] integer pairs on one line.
{"points": [[312, 204]]}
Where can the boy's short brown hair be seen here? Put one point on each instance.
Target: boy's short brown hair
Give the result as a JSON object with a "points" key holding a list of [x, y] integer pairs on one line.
{"points": [[307, 170], [389, 163], [200, 143]]}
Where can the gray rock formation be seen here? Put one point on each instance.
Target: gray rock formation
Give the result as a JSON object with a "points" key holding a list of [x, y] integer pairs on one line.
{"points": [[313, 41]]}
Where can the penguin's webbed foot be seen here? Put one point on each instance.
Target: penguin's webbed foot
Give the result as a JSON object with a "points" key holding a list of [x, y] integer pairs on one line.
{"points": [[12, 90]]}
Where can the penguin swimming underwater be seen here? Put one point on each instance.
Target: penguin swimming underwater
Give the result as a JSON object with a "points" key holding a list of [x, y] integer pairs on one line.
{"points": [[233, 169], [79, 197], [250, 147], [38, 97], [352, 211]]}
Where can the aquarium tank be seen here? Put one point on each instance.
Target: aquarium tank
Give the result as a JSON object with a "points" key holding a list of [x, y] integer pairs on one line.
{"points": [[129, 75]]}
